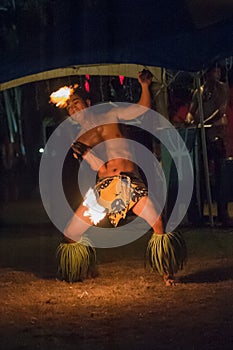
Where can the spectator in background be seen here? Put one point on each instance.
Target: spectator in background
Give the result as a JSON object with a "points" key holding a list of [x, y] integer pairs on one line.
{"points": [[180, 94], [214, 99]]}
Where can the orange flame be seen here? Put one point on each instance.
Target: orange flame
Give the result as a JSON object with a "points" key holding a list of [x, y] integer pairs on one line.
{"points": [[62, 95]]}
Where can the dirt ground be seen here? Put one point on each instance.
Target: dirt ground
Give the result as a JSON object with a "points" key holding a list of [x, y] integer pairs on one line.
{"points": [[125, 307]]}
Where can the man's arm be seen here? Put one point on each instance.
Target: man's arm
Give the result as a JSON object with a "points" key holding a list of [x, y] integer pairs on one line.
{"points": [[94, 162], [135, 110], [82, 151], [190, 116], [224, 97], [145, 78]]}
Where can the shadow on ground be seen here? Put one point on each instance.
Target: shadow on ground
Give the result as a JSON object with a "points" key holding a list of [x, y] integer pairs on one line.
{"points": [[211, 275]]}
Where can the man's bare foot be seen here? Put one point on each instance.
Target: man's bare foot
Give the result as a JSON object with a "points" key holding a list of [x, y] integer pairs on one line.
{"points": [[169, 280]]}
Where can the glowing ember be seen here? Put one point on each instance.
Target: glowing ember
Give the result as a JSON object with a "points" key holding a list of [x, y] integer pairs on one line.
{"points": [[94, 211], [60, 97]]}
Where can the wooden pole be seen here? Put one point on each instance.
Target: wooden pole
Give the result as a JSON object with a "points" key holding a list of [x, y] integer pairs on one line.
{"points": [[204, 149]]}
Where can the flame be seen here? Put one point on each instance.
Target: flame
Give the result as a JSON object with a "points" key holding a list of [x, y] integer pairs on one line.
{"points": [[94, 211], [62, 95]]}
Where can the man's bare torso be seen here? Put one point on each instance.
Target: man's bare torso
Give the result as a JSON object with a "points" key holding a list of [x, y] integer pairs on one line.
{"points": [[116, 154]]}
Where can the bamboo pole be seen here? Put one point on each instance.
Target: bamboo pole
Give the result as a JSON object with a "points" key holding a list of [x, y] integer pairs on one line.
{"points": [[204, 149]]}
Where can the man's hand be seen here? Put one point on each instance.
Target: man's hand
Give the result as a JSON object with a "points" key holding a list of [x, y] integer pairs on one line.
{"points": [[145, 77], [136, 110], [189, 118]]}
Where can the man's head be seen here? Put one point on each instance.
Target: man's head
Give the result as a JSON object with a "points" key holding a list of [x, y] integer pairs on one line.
{"points": [[214, 72], [76, 103]]}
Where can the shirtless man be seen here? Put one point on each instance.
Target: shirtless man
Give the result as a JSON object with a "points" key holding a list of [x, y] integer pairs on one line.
{"points": [[115, 166], [112, 164]]}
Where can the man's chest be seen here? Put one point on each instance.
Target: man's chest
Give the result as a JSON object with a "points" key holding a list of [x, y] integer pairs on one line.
{"points": [[91, 137]]}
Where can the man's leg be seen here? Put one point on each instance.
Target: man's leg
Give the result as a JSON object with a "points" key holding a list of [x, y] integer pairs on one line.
{"points": [[76, 256], [146, 210], [77, 226]]}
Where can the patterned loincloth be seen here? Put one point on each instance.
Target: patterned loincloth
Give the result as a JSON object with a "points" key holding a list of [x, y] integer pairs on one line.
{"points": [[118, 194]]}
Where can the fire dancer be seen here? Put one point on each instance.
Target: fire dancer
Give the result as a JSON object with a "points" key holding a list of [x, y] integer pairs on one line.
{"points": [[119, 188]]}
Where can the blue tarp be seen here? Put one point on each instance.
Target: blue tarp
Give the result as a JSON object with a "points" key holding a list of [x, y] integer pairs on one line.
{"points": [[164, 33]]}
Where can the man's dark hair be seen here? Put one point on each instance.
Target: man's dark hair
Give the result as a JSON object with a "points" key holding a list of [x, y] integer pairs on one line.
{"points": [[82, 93], [213, 66]]}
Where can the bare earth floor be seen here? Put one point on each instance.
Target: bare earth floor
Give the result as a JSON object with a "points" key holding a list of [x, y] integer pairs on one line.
{"points": [[125, 307]]}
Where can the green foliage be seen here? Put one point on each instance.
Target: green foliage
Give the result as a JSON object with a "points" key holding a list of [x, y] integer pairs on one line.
{"points": [[75, 260], [167, 253]]}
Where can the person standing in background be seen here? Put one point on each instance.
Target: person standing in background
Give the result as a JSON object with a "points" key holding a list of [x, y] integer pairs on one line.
{"points": [[214, 95]]}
